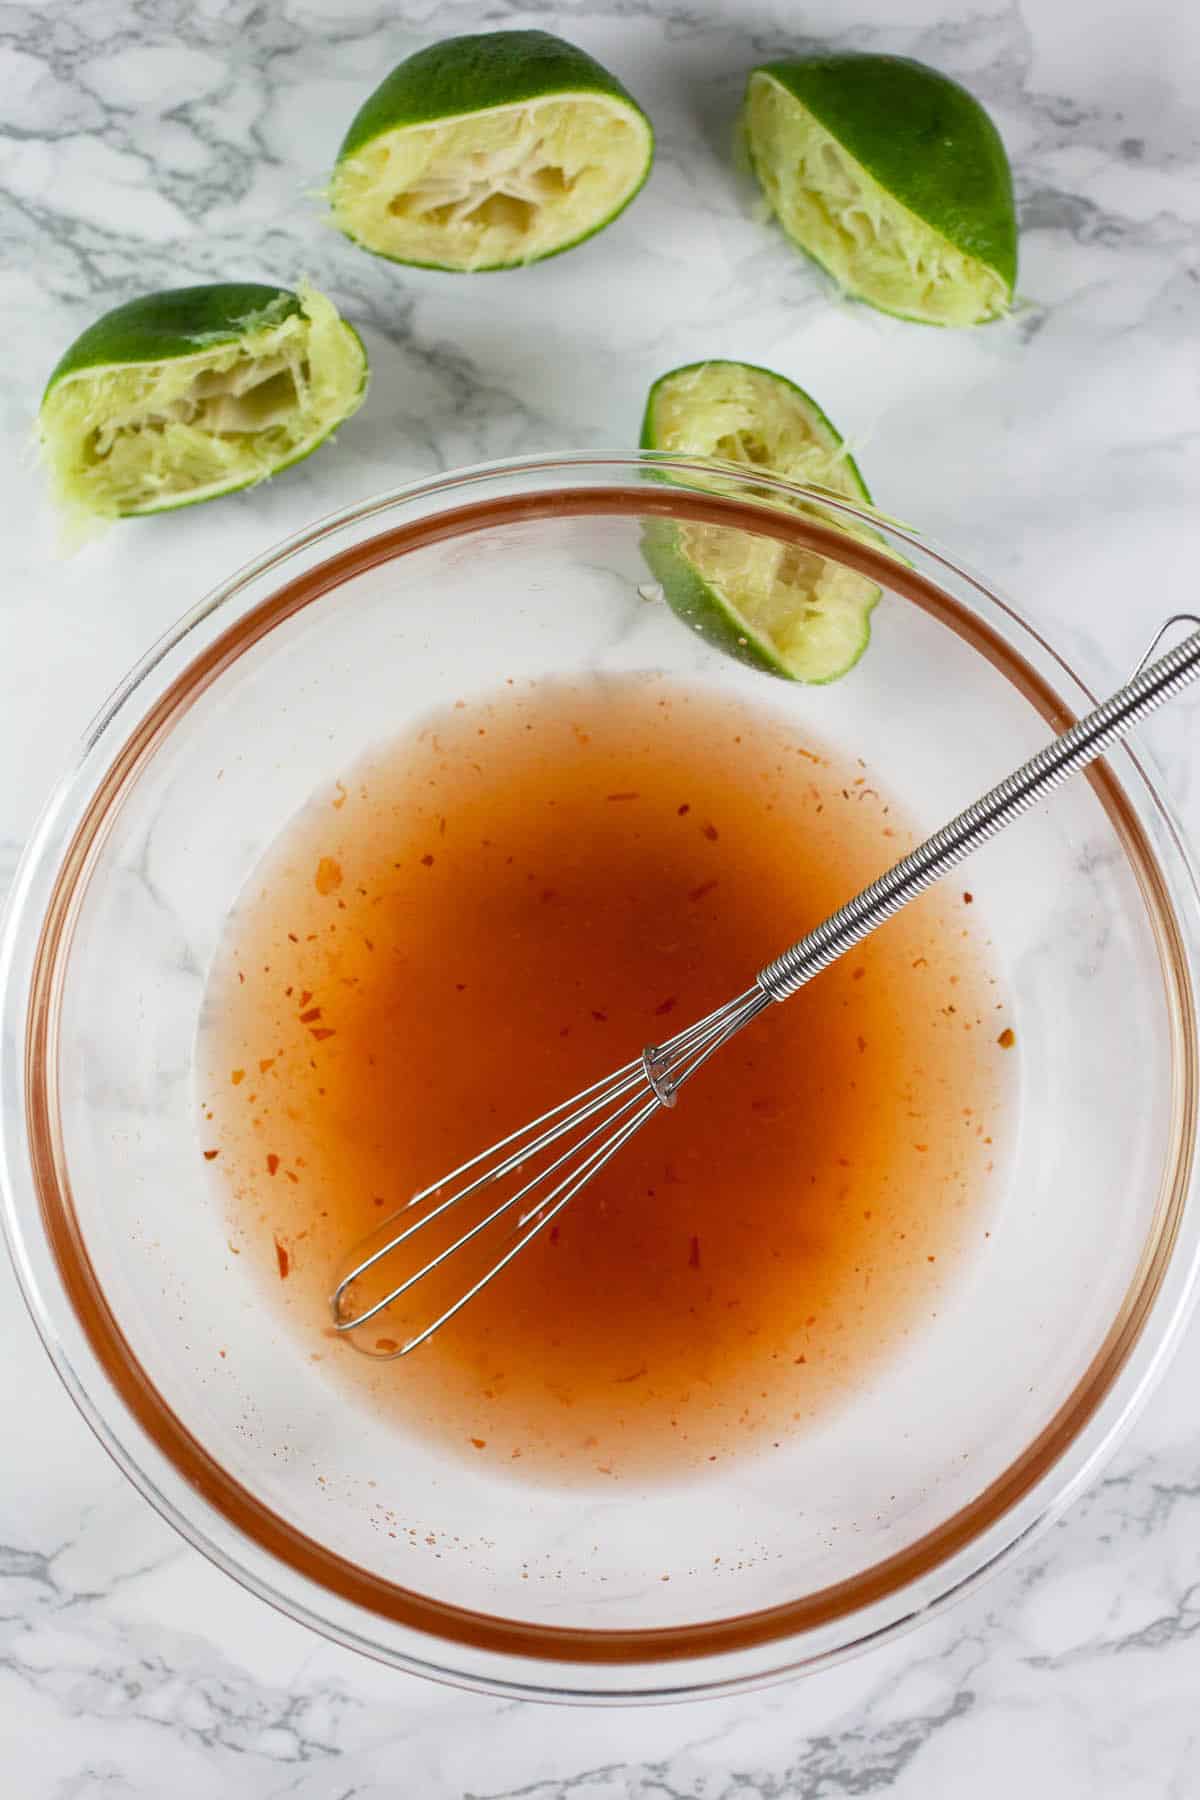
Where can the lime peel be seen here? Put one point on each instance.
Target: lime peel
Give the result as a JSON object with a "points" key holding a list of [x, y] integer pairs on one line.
{"points": [[775, 606], [893, 178], [488, 152], [193, 392]]}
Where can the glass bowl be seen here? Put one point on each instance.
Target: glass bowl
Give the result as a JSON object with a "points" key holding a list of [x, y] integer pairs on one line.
{"points": [[930, 1473]]}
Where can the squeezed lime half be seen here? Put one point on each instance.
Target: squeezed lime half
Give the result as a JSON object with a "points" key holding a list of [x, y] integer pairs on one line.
{"points": [[488, 152], [193, 392], [775, 606], [892, 177]]}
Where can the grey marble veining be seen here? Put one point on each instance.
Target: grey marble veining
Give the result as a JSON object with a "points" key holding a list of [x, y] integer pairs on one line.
{"points": [[151, 144]]}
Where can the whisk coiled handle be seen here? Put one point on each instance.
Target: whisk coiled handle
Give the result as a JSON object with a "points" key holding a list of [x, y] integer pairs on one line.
{"points": [[1089, 738]]}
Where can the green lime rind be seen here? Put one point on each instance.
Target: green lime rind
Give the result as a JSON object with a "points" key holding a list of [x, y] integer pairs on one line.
{"points": [[726, 584], [711, 614], [176, 322], [700, 606], [472, 74], [184, 395], [923, 140], [466, 78]]}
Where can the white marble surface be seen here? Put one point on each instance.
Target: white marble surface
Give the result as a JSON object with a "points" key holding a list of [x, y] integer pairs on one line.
{"points": [[153, 144]]}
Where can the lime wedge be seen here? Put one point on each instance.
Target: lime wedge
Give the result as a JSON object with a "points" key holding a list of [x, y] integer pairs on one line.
{"points": [[192, 392], [774, 606], [488, 152], [893, 178]]}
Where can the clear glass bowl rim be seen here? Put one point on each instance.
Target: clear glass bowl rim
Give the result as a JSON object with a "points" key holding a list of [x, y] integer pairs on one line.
{"points": [[555, 1664]]}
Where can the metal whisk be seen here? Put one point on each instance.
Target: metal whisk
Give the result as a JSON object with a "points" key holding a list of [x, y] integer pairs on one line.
{"points": [[545, 1164]]}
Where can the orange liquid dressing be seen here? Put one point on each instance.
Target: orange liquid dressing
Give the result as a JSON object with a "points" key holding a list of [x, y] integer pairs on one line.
{"points": [[484, 917]]}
